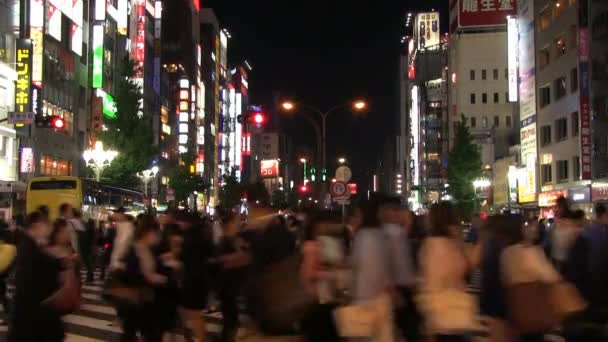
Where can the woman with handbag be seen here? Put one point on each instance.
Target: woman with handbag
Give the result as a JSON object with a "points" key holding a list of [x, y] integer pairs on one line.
{"points": [[448, 310], [36, 279]]}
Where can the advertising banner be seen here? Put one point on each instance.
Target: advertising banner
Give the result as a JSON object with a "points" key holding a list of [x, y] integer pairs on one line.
{"points": [[426, 30], [512, 42], [54, 22], [269, 168], [472, 13], [97, 56], [527, 101], [583, 67]]}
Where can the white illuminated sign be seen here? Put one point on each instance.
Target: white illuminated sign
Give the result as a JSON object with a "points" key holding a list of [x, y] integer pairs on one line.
{"points": [[27, 160], [512, 48], [54, 22], [100, 10], [158, 10]]}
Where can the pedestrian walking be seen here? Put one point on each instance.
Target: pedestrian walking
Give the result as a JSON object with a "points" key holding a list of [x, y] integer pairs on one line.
{"points": [[448, 310], [396, 224], [233, 257], [124, 230], [196, 251], [36, 279], [142, 313], [170, 265], [8, 253]]}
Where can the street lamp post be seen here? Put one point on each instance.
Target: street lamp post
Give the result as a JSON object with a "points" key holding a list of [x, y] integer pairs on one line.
{"points": [[98, 158], [303, 161], [291, 106], [480, 183], [146, 176]]}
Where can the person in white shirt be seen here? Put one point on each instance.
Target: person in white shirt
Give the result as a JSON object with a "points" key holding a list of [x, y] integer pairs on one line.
{"points": [[123, 239]]}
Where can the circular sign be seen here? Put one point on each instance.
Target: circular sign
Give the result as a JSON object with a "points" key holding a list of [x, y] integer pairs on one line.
{"points": [[343, 174], [338, 189]]}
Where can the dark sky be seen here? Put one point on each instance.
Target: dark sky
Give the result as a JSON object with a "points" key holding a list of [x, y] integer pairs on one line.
{"points": [[325, 53]]}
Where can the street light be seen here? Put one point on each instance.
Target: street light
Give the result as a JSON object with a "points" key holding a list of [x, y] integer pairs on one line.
{"points": [[341, 160], [289, 106], [98, 158], [146, 176], [303, 161]]}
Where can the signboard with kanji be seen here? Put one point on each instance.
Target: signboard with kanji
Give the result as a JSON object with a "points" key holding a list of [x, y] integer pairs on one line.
{"points": [[269, 168], [23, 63], [473, 13]]}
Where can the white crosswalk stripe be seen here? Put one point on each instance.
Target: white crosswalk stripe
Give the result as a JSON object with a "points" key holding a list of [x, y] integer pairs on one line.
{"points": [[96, 320]]}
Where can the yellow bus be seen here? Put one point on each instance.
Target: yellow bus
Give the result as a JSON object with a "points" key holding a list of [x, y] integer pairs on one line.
{"points": [[94, 199]]}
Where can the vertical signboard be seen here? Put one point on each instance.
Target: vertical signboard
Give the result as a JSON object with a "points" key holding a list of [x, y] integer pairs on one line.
{"points": [[97, 56], [184, 109], [426, 30], [54, 22], [23, 63], [527, 101], [37, 36], [414, 166], [27, 160], [76, 33], [512, 41], [140, 40], [583, 67]]}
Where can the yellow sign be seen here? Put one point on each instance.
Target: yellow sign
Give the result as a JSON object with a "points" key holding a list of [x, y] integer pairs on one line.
{"points": [[24, 79]]}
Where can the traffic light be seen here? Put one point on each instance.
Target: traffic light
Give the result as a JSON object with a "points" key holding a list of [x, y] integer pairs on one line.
{"points": [[49, 121], [303, 189], [258, 119]]}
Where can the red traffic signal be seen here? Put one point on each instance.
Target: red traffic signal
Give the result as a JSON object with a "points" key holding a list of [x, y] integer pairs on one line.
{"points": [[258, 118], [57, 123], [303, 188], [50, 121]]}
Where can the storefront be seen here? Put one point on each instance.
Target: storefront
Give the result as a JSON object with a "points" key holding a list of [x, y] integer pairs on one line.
{"points": [[580, 198], [599, 193], [546, 201]]}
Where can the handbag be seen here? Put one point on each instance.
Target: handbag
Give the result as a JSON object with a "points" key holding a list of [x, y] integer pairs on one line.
{"points": [[448, 311], [66, 299], [566, 299], [530, 307]]}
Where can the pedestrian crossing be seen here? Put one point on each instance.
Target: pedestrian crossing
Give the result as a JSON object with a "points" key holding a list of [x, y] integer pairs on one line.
{"points": [[96, 320]]}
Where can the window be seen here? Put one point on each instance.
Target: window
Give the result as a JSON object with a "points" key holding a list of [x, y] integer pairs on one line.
{"points": [[496, 121], [51, 166], [558, 9], [575, 124], [544, 58], [559, 86], [4, 146], [495, 97], [507, 97], [472, 98], [483, 74], [508, 121], [561, 129], [545, 19], [573, 80], [495, 74], [484, 98], [560, 47], [506, 73], [545, 135], [576, 167], [562, 170], [545, 171], [545, 96], [3, 94], [472, 75], [484, 122], [473, 122]]}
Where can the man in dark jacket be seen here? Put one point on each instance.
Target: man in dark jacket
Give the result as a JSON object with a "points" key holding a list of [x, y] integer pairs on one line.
{"points": [[36, 280], [196, 252]]}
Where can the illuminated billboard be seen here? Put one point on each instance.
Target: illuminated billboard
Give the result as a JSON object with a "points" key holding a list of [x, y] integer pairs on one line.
{"points": [[269, 168], [512, 42], [484, 13], [122, 23], [76, 33], [184, 109], [426, 30], [100, 10], [584, 91], [37, 36], [414, 161], [140, 40], [23, 61], [54, 22], [527, 102], [27, 160], [97, 56], [109, 107]]}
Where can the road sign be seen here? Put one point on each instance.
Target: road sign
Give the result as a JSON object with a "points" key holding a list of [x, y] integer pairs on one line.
{"points": [[338, 189], [20, 118], [343, 174]]}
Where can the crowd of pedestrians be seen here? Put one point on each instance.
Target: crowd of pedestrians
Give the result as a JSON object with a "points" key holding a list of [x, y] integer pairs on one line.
{"points": [[381, 274]]}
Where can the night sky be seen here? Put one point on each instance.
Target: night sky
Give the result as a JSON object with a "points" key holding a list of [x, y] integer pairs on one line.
{"points": [[324, 53]]}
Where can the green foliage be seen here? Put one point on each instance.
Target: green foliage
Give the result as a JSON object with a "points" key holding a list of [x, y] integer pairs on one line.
{"points": [[283, 199], [464, 167], [257, 192], [131, 133], [231, 191], [184, 182]]}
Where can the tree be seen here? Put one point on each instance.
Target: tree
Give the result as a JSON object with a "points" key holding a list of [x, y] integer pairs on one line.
{"points": [[464, 167], [231, 191], [257, 192], [183, 181], [130, 133]]}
